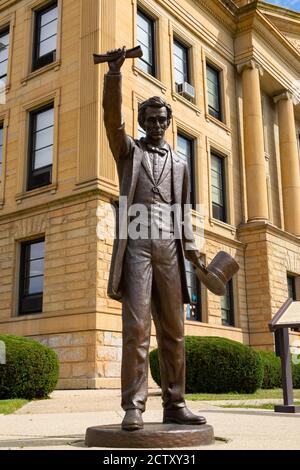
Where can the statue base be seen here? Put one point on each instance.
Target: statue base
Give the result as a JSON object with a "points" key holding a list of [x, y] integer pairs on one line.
{"points": [[286, 409], [153, 435]]}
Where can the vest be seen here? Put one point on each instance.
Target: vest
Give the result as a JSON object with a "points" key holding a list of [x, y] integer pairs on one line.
{"points": [[156, 198]]}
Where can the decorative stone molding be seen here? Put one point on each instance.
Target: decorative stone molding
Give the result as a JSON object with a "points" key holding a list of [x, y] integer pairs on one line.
{"points": [[284, 95], [267, 156], [249, 64], [296, 43]]}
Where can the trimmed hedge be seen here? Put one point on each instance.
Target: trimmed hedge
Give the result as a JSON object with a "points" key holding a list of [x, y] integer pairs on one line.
{"points": [[31, 369], [272, 370], [217, 365], [296, 375]]}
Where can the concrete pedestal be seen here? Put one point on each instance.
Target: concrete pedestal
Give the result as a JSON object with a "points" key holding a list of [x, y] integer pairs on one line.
{"points": [[286, 409]]}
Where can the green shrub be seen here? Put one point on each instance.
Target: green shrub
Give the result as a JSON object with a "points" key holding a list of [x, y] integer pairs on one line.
{"points": [[272, 370], [31, 369], [296, 375], [217, 365]]}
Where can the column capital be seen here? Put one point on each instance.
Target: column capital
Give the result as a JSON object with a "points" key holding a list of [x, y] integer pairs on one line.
{"points": [[283, 95], [249, 64]]}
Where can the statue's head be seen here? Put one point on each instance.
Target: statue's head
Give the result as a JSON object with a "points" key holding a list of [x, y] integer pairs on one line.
{"points": [[154, 117]]}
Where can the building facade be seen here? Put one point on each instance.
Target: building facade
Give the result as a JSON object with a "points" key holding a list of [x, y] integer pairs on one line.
{"points": [[231, 71]]}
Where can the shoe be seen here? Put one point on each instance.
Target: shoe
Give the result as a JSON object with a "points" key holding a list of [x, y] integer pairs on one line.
{"points": [[182, 416], [132, 420]]}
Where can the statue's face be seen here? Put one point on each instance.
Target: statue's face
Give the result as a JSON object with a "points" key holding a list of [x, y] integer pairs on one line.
{"points": [[155, 123]]}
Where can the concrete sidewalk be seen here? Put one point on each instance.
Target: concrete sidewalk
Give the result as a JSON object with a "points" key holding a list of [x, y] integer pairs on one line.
{"points": [[60, 423]]}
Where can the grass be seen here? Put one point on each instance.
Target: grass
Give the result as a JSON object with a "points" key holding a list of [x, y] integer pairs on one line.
{"points": [[10, 406], [265, 406], [259, 394]]}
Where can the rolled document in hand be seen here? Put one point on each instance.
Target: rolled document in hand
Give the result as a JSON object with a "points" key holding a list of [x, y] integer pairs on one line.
{"points": [[135, 52]]}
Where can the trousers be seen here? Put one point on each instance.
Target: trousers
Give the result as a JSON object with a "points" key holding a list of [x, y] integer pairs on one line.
{"points": [[151, 284]]}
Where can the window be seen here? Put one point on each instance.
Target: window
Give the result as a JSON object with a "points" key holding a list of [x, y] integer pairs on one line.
{"points": [[45, 36], [291, 282], [145, 38], [185, 150], [218, 188], [4, 46], [1, 149], [41, 128], [181, 63], [227, 307], [193, 310], [31, 277], [213, 92], [141, 132]]}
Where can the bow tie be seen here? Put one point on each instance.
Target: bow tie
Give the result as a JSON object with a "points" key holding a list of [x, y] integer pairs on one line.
{"points": [[160, 150]]}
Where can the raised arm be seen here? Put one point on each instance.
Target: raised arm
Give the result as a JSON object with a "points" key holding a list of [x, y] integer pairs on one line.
{"points": [[119, 142]]}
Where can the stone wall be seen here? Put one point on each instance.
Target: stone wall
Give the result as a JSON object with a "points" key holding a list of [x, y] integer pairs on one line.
{"points": [[70, 258], [270, 255]]}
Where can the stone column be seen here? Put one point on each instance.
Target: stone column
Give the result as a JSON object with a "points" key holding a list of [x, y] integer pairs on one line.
{"points": [[255, 165], [289, 158]]}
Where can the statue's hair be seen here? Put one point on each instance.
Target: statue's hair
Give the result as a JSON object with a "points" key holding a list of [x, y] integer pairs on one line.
{"points": [[154, 102]]}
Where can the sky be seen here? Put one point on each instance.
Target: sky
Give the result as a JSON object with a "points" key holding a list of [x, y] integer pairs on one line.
{"points": [[291, 4]]}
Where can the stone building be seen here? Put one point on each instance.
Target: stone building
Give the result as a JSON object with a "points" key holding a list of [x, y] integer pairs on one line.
{"points": [[231, 71]]}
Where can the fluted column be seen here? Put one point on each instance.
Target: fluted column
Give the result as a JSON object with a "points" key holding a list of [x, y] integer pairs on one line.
{"points": [[289, 159], [255, 165]]}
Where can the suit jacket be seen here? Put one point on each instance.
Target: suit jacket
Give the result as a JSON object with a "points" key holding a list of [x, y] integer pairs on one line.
{"points": [[128, 156]]}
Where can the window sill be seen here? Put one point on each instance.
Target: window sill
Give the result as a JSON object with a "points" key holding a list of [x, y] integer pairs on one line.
{"points": [[137, 71], [177, 97], [216, 121], [223, 225], [51, 188], [29, 316], [218, 326], [53, 66]]}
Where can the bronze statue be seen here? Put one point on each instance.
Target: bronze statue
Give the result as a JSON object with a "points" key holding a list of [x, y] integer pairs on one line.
{"points": [[148, 274]]}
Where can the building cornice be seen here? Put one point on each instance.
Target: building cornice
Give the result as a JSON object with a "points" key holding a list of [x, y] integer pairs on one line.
{"points": [[213, 8], [231, 6], [4, 4], [252, 20], [285, 13], [222, 10], [267, 228]]}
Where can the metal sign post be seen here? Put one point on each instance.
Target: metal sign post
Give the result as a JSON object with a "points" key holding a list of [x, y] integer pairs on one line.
{"points": [[287, 317]]}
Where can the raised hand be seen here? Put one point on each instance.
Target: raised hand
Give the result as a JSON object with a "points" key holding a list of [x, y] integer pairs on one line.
{"points": [[115, 65]]}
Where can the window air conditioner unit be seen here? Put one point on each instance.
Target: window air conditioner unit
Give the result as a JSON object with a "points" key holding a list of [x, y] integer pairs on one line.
{"points": [[186, 90]]}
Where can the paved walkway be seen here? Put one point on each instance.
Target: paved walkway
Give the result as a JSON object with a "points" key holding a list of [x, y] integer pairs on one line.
{"points": [[60, 423]]}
